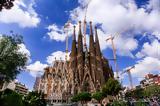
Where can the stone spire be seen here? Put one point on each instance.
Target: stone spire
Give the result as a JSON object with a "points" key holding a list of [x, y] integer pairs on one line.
{"points": [[73, 61], [99, 64], [84, 34], [87, 82], [92, 54], [80, 60], [80, 42], [97, 46], [74, 49]]}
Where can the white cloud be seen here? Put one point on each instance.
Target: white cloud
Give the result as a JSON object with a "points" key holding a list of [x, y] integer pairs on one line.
{"points": [[56, 33], [123, 17], [145, 66], [21, 14], [59, 33], [36, 68], [151, 50], [58, 55], [24, 50], [156, 34], [154, 4], [124, 45], [142, 68]]}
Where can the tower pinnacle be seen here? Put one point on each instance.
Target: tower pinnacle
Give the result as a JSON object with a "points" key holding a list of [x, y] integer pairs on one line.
{"points": [[84, 33], [80, 55], [74, 33], [99, 64], [91, 30], [92, 54]]}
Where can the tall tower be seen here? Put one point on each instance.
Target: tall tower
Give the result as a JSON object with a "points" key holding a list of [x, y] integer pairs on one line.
{"points": [[92, 54], [99, 64], [87, 83], [73, 63], [80, 56]]}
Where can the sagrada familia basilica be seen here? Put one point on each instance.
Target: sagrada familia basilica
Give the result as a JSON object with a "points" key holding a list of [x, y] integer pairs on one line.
{"points": [[85, 70]]}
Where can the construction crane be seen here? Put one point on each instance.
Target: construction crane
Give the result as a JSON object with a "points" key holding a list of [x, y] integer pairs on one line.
{"points": [[66, 30], [129, 75], [67, 26], [114, 54], [84, 22]]}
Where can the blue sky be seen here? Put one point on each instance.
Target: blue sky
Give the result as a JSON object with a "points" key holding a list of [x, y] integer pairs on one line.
{"points": [[41, 24]]}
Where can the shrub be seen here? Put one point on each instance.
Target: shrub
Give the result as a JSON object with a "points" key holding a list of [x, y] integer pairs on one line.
{"points": [[119, 103]]}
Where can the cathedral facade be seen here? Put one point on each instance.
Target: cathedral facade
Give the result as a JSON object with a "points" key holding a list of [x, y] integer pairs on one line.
{"points": [[86, 70]]}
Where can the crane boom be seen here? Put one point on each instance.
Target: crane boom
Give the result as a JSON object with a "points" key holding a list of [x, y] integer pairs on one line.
{"points": [[114, 54], [129, 75], [115, 57], [130, 79]]}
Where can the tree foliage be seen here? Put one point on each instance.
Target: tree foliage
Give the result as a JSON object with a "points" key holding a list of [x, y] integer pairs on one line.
{"points": [[34, 99], [7, 4], [10, 98], [75, 98], [153, 90], [140, 103], [119, 103], [137, 93], [98, 96], [83, 97], [11, 60], [149, 91], [112, 87]]}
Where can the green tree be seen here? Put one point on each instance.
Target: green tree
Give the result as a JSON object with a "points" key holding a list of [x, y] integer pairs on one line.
{"points": [[76, 98], [111, 87], [11, 60], [149, 91], [153, 90], [119, 103], [98, 96], [10, 98], [83, 97], [128, 94], [140, 103], [34, 99], [7, 4], [137, 93]]}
